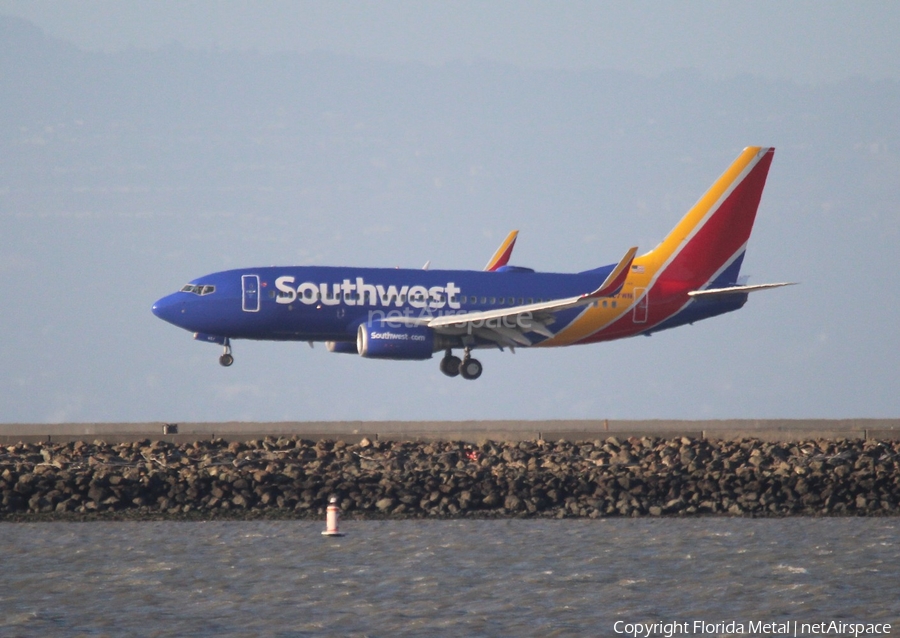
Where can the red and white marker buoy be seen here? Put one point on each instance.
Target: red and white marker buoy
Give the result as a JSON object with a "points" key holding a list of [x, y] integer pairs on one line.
{"points": [[332, 518]]}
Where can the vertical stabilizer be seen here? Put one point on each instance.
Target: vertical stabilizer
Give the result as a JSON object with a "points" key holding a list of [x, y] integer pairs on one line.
{"points": [[708, 243]]}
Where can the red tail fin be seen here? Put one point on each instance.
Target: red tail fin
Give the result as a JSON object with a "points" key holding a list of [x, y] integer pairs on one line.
{"points": [[714, 233]]}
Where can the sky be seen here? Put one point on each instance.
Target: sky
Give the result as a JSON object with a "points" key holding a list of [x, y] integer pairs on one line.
{"points": [[805, 40], [385, 134]]}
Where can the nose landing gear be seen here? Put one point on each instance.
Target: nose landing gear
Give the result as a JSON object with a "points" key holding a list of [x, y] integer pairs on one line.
{"points": [[226, 359], [467, 367]]}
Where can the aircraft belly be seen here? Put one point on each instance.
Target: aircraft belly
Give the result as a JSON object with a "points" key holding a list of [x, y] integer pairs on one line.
{"points": [[310, 324]]}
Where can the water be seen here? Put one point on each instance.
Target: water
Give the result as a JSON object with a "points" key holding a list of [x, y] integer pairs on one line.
{"points": [[442, 578]]}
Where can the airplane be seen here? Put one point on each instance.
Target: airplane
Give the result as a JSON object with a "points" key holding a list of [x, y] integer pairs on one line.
{"points": [[410, 314]]}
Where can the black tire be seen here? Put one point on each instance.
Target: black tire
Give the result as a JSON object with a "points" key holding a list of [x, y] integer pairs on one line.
{"points": [[450, 365], [470, 369], [226, 360]]}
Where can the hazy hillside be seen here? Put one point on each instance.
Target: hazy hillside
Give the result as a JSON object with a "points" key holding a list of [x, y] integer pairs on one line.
{"points": [[124, 175]]}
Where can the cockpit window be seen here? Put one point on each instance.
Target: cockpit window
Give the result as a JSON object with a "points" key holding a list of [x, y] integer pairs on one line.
{"points": [[198, 290]]}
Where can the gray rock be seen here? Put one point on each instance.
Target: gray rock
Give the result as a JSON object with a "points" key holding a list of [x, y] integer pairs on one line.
{"points": [[385, 504], [512, 503]]}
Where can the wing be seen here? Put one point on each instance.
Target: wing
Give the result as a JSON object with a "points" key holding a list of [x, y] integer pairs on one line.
{"points": [[534, 317], [501, 257]]}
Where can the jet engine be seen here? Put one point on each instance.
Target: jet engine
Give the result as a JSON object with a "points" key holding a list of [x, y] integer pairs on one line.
{"points": [[377, 340], [344, 347]]}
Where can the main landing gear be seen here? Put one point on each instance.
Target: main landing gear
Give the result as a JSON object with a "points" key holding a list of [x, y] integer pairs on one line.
{"points": [[467, 367], [226, 359]]}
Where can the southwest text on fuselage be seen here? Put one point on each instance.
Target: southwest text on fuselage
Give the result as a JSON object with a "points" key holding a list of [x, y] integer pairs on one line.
{"points": [[359, 293]]}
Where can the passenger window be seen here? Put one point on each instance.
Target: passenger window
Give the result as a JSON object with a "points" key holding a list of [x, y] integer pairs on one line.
{"points": [[483, 300]]}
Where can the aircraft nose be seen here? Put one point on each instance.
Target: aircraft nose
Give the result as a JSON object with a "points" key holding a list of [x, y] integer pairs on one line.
{"points": [[168, 309]]}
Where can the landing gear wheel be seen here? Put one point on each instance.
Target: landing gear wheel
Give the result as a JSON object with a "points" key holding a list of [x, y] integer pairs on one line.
{"points": [[226, 359], [470, 369], [450, 365]]}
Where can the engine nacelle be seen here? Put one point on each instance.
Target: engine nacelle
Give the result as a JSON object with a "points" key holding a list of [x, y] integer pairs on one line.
{"points": [[376, 340], [343, 347]]}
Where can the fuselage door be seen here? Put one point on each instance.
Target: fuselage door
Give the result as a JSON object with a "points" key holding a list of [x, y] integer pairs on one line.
{"points": [[640, 309], [250, 288]]}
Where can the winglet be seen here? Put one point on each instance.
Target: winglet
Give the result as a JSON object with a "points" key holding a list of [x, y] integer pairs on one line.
{"points": [[616, 279], [501, 257]]}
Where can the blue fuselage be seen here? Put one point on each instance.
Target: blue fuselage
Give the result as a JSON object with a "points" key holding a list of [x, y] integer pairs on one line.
{"points": [[323, 303]]}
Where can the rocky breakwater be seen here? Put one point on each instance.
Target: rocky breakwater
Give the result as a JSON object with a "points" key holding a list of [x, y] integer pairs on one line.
{"points": [[294, 478]]}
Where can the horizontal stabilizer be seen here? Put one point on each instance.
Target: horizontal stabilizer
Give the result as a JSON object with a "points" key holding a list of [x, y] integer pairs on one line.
{"points": [[733, 290]]}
